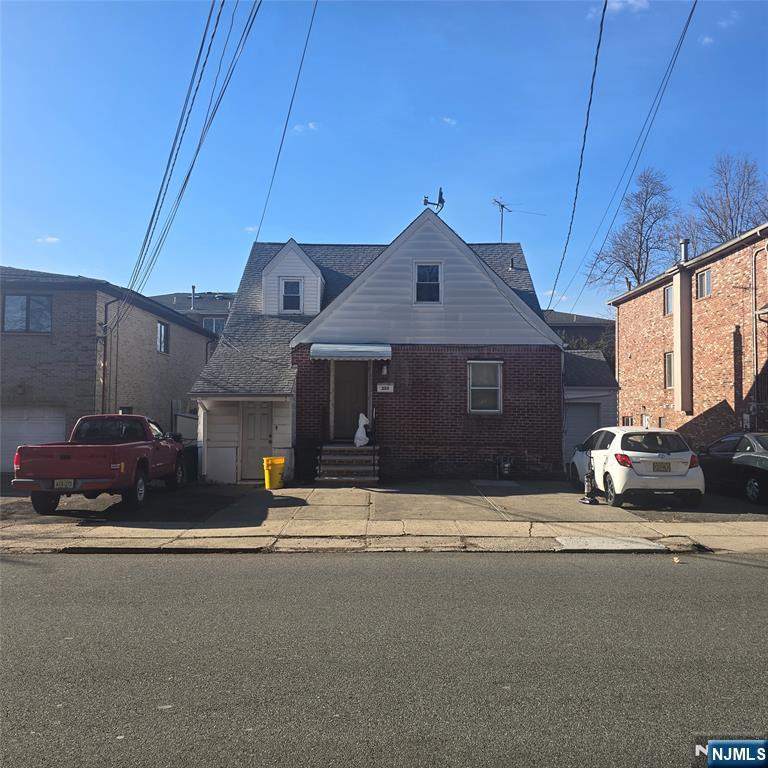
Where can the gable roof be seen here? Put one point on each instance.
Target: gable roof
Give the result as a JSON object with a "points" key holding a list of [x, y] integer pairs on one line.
{"points": [[588, 368], [252, 340], [13, 278]]}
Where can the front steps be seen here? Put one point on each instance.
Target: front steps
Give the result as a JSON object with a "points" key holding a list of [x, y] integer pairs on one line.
{"points": [[343, 463]]}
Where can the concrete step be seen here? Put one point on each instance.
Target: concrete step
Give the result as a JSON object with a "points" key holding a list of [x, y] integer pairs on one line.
{"points": [[345, 450], [363, 467], [347, 479]]}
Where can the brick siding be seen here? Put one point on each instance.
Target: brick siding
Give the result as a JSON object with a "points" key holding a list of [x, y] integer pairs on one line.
{"points": [[423, 427], [63, 369], [723, 381]]}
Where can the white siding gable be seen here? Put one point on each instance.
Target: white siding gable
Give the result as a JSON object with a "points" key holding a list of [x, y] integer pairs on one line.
{"points": [[476, 306], [291, 262]]}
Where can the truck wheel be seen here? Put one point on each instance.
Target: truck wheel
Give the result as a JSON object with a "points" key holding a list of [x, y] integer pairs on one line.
{"points": [[176, 480], [45, 503], [613, 498], [135, 496]]}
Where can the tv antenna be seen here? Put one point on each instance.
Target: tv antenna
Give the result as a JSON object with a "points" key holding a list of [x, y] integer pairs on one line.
{"points": [[502, 206], [440, 204]]}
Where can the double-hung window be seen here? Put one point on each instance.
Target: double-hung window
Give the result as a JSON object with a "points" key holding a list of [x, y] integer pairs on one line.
{"points": [[291, 294], [704, 284], [163, 341], [484, 386], [668, 296], [214, 324], [428, 288], [27, 314], [669, 370]]}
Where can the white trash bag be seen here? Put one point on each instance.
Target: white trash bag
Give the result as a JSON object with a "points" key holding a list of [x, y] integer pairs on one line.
{"points": [[361, 436]]}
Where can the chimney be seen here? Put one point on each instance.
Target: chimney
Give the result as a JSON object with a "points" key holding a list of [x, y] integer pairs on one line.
{"points": [[629, 285], [684, 241], [192, 306]]}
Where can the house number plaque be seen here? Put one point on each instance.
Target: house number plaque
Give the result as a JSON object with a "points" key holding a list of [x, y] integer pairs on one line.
{"points": [[385, 387]]}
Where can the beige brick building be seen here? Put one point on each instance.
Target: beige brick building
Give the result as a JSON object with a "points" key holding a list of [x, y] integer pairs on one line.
{"points": [[692, 343], [57, 363]]}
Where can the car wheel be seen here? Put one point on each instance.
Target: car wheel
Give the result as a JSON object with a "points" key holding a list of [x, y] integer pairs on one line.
{"points": [[176, 480], [613, 498], [691, 499], [574, 477], [135, 497], [45, 503], [754, 489]]}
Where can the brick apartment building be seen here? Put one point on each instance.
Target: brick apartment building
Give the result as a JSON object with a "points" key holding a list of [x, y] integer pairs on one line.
{"points": [[56, 364], [207, 308], [692, 343]]}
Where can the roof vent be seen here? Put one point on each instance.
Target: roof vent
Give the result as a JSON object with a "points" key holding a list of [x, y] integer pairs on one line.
{"points": [[684, 241]]}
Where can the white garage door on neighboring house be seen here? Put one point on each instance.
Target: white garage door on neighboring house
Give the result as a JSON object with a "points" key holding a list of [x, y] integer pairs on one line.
{"points": [[21, 425], [581, 420]]}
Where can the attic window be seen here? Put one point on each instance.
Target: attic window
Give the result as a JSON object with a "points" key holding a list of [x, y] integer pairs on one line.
{"points": [[291, 294], [428, 284]]}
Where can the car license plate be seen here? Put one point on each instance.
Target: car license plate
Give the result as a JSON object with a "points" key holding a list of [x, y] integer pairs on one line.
{"points": [[63, 485], [662, 466]]}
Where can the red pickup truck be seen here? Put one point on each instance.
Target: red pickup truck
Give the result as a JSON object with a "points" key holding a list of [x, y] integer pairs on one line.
{"points": [[112, 453]]}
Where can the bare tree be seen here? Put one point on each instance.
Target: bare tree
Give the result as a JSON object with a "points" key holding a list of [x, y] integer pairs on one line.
{"points": [[736, 202], [642, 245]]}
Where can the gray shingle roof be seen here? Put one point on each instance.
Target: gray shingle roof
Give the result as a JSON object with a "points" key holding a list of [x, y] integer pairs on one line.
{"points": [[254, 354], [553, 317], [30, 279], [206, 302], [588, 368]]}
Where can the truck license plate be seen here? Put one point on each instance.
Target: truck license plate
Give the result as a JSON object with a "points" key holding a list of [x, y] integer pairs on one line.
{"points": [[662, 466], [63, 485]]}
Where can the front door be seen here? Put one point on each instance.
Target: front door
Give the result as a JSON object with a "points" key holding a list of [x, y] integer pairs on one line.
{"points": [[257, 439], [350, 397]]}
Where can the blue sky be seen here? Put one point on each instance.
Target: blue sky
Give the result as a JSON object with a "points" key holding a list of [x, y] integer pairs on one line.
{"points": [[486, 99]]}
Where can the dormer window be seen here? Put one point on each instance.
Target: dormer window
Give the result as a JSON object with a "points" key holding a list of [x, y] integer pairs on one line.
{"points": [[428, 289], [291, 294]]}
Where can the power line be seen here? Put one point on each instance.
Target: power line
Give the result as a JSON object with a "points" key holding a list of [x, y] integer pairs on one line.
{"points": [[581, 154], [213, 107], [189, 103], [287, 120], [650, 118]]}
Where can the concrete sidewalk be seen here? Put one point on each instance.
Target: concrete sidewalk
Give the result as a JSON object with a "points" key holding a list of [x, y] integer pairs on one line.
{"points": [[444, 516]]}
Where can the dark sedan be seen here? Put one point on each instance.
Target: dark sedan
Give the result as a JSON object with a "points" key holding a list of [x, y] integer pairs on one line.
{"points": [[739, 462]]}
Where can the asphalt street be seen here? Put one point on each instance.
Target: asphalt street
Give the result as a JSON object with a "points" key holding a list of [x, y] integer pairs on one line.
{"points": [[378, 660]]}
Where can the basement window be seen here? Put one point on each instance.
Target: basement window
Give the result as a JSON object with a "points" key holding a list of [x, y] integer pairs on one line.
{"points": [[627, 421], [484, 386], [704, 284], [291, 294], [428, 284]]}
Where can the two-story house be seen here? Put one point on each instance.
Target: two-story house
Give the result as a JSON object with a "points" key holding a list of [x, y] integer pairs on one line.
{"points": [[692, 343], [439, 344], [62, 355]]}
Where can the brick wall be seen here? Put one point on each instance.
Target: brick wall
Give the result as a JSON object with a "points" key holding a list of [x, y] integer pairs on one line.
{"points": [[141, 377], [723, 381], [55, 369], [424, 429]]}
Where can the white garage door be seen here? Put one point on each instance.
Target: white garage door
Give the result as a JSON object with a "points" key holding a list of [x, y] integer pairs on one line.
{"points": [[581, 420], [30, 425]]}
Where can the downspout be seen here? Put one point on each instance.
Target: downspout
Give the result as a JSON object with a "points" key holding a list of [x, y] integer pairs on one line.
{"points": [[104, 356]]}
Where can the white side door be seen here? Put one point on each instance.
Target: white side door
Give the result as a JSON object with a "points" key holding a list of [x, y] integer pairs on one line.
{"points": [[257, 439]]}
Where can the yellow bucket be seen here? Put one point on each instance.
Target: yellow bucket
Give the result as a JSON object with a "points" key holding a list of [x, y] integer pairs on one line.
{"points": [[274, 466]]}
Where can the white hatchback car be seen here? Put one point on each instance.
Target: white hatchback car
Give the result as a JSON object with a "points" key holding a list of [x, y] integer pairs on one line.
{"points": [[633, 462]]}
